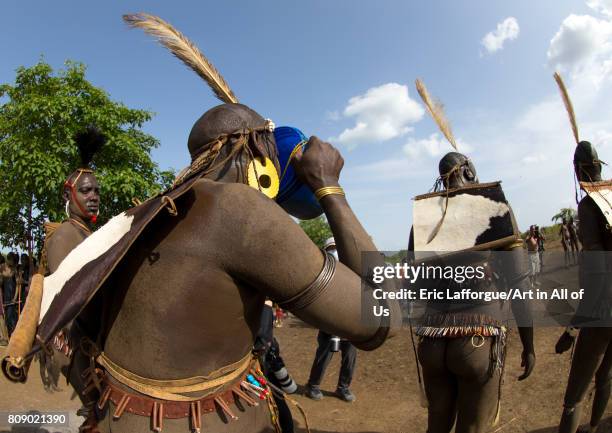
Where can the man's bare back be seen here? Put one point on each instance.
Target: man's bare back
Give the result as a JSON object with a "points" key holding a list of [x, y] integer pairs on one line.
{"points": [[183, 303], [188, 303]]}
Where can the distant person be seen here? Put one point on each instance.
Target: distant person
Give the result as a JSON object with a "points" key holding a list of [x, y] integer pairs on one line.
{"points": [[4, 336], [9, 292], [324, 354], [22, 278], [279, 315], [541, 240], [534, 256], [566, 241], [25, 267], [574, 243]]}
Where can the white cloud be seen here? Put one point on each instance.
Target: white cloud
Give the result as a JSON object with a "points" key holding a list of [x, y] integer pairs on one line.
{"points": [[583, 46], [532, 153], [535, 158], [506, 30], [530, 150], [601, 6], [602, 138], [382, 113], [434, 146]]}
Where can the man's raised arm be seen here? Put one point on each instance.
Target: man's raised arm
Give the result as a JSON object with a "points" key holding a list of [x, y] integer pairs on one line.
{"points": [[279, 260]]}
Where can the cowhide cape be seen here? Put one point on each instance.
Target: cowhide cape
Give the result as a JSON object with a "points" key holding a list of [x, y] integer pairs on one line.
{"points": [[85, 269]]}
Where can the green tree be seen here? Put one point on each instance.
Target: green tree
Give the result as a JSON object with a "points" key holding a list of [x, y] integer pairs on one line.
{"points": [[317, 230], [397, 257], [39, 116], [566, 213]]}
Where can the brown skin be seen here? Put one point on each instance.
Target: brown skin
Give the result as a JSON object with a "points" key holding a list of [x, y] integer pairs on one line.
{"points": [[71, 233], [168, 319], [457, 383], [532, 240], [459, 180], [8, 274], [465, 175], [564, 232], [532, 247], [459, 389], [87, 196], [292, 263], [593, 353], [573, 238], [566, 242], [65, 238]]}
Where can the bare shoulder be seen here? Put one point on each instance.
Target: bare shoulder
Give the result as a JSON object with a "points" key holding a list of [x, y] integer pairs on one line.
{"points": [[63, 240], [234, 197], [242, 215], [63, 232]]}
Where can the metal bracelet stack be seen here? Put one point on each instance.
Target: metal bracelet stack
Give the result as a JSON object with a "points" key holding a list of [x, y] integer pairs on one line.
{"points": [[311, 293], [328, 190]]}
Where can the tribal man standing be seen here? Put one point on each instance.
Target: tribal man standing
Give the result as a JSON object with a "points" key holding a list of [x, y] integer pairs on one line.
{"points": [[184, 362], [462, 347], [566, 242], [532, 242], [575, 244], [593, 351], [81, 195]]}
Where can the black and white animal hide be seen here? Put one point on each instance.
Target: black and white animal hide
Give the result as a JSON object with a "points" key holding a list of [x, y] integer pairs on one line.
{"points": [[601, 193], [84, 270], [477, 217]]}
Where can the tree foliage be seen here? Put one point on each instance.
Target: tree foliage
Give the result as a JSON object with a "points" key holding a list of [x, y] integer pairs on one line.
{"points": [[317, 230], [39, 116], [566, 213], [397, 257]]}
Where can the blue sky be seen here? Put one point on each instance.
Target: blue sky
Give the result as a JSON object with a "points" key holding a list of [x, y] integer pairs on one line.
{"points": [[345, 70]]}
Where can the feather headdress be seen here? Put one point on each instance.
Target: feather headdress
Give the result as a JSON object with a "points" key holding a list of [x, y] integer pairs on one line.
{"points": [[185, 50], [436, 110], [89, 142], [568, 105]]}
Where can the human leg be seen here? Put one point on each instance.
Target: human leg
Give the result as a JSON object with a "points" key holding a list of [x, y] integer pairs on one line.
{"points": [[349, 359], [590, 348], [322, 358], [603, 380], [347, 367], [566, 252], [440, 385], [575, 250], [478, 385]]}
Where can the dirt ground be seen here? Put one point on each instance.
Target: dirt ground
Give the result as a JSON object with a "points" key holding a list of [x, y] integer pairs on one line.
{"points": [[386, 387], [385, 384]]}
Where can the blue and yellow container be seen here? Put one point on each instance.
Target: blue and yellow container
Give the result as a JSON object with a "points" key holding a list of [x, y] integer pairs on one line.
{"points": [[293, 196]]}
